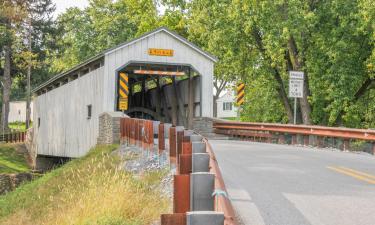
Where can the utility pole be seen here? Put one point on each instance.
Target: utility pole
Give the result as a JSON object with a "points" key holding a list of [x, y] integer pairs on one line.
{"points": [[28, 97]]}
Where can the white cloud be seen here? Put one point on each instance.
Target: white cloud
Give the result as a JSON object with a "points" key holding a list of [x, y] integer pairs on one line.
{"points": [[62, 5]]}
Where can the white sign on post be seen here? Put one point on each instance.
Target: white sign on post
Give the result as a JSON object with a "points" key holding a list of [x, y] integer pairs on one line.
{"points": [[296, 88], [296, 84]]}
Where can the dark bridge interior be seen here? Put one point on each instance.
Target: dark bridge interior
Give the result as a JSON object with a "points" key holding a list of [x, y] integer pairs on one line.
{"points": [[172, 97]]}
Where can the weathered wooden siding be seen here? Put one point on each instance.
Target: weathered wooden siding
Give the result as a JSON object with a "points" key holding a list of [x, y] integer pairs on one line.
{"points": [[138, 51], [64, 127]]}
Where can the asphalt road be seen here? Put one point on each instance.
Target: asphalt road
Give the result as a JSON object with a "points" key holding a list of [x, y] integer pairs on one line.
{"points": [[286, 185]]}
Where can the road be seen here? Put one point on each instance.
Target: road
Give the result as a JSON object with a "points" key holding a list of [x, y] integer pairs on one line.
{"points": [[273, 184]]}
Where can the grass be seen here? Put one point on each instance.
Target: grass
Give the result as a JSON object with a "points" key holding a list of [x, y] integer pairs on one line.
{"points": [[11, 160], [92, 190]]}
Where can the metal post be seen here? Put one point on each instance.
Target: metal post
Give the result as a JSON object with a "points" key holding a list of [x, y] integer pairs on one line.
{"points": [[295, 110], [239, 113]]}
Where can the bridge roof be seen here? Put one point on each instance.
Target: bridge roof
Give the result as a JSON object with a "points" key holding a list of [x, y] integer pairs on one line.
{"points": [[133, 41]]}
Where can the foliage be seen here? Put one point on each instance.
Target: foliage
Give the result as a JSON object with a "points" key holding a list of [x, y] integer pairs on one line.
{"points": [[91, 190], [256, 42], [12, 160], [19, 126]]}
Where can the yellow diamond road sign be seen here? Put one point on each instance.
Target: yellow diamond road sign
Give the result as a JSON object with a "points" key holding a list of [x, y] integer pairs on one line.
{"points": [[240, 94]]}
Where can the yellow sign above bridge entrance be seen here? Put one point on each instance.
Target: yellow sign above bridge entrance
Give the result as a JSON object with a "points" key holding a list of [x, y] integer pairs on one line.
{"points": [[160, 52]]}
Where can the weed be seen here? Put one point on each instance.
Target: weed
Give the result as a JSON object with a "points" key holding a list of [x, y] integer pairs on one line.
{"points": [[90, 190]]}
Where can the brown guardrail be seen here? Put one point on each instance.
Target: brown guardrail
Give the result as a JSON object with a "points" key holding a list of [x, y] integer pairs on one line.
{"points": [[140, 132], [223, 202], [270, 131]]}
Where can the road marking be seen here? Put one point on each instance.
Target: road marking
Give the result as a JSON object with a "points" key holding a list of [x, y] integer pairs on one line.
{"points": [[359, 172], [353, 173]]}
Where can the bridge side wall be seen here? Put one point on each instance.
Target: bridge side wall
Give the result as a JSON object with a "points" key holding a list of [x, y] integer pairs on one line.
{"points": [[64, 129]]}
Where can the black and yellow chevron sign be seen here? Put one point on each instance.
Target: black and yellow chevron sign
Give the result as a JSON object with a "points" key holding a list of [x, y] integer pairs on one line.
{"points": [[240, 94], [123, 91]]}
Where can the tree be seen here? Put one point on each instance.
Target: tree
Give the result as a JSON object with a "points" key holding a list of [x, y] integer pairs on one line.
{"points": [[11, 14]]}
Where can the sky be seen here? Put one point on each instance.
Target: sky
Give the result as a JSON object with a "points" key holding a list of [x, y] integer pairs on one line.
{"points": [[62, 5]]}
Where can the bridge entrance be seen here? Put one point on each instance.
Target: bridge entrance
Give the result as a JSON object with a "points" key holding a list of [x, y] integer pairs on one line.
{"points": [[165, 92]]}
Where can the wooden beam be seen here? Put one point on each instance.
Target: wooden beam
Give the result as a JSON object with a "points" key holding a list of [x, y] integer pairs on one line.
{"points": [[161, 73], [158, 99], [191, 101]]}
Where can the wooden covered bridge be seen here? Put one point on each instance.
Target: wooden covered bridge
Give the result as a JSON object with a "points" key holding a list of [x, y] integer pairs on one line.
{"points": [[159, 75]]}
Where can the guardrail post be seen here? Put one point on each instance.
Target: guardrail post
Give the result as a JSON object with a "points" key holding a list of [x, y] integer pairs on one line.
{"points": [[202, 187], [181, 193], [185, 165], [173, 219], [161, 139], [185, 157], [319, 142], [306, 140], [206, 218], [198, 147], [373, 148], [136, 137], [122, 130], [281, 139], [180, 137], [172, 144], [200, 162], [346, 145], [151, 135], [294, 139]]}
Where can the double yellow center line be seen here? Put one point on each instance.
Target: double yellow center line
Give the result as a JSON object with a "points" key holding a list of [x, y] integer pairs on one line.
{"points": [[369, 178]]}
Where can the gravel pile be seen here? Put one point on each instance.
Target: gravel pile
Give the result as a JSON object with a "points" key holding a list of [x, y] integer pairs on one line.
{"points": [[139, 161]]}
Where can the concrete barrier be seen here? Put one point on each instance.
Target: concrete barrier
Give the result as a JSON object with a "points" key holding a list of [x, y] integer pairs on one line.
{"points": [[198, 147], [204, 218], [201, 189], [195, 137], [200, 162], [188, 132]]}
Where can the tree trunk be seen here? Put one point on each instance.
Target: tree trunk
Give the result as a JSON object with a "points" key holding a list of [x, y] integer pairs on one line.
{"points": [[215, 105], [360, 92], [298, 65], [7, 82], [276, 74]]}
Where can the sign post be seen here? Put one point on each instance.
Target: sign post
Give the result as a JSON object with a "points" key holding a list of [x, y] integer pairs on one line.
{"points": [[296, 79]]}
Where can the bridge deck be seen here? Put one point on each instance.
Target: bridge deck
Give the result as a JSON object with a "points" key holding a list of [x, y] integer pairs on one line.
{"points": [[287, 185]]}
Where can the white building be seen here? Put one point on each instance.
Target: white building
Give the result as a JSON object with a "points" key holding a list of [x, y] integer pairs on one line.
{"points": [[67, 107], [17, 111], [226, 106]]}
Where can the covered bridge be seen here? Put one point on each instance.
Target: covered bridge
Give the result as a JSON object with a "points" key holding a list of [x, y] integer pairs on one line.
{"points": [[159, 76]]}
